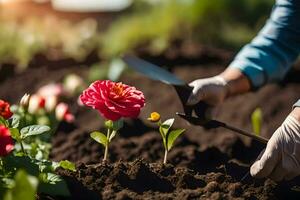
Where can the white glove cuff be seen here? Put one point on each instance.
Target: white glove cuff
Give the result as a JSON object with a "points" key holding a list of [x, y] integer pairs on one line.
{"points": [[293, 123]]}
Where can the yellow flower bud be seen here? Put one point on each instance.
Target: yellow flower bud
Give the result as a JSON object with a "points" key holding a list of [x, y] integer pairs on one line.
{"points": [[154, 117]]}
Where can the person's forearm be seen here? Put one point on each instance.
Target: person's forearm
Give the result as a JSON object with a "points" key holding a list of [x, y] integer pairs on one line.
{"points": [[237, 82]]}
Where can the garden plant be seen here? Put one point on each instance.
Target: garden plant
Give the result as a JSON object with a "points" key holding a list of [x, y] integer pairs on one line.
{"points": [[81, 93], [114, 101], [24, 154], [168, 135]]}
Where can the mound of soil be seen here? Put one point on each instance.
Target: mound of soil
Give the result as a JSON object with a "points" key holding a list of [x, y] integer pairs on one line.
{"points": [[140, 180], [209, 164]]}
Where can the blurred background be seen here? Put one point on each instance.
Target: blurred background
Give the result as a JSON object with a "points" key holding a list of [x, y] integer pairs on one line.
{"points": [[31, 30]]}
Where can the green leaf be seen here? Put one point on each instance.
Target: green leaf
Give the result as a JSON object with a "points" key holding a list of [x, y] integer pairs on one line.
{"points": [[33, 130], [112, 135], [172, 136], [256, 118], [65, 164], [14, 121], [12, 162], [15, 134], [117, 125], [3, 121], [25, 187], [99, 137], [54, 185], [165, 126]]}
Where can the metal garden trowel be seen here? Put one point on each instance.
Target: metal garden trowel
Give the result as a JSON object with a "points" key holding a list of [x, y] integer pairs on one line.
{"points": [[196, 114]]}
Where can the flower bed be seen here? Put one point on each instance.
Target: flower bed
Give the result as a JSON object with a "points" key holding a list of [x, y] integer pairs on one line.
{"points": [[202, 164]]}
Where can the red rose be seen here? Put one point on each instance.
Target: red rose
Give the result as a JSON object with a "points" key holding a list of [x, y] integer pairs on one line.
{"points": [[113, 100], [5, 109], [6, 142]]}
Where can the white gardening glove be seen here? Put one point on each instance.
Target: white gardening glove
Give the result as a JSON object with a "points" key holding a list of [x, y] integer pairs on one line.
{"points": [[281, 158], [210, 90]]}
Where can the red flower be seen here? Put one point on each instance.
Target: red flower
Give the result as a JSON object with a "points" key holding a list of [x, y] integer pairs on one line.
{"points": [[6, 142], [5, 109], [113, 100]]}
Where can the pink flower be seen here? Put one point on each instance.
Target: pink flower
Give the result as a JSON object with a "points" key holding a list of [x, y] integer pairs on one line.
{"points": [[6, 142], [5, 110], [113, 100], [35, 103], [62, 112]]}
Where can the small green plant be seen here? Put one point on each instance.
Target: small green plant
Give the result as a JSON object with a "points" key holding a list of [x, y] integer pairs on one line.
{"points": [[112, 129], [25, 168], [169, 136], [257, 120]]}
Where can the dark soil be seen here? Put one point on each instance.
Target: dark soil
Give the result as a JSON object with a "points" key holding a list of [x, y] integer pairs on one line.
{"points": [[209, 164]]}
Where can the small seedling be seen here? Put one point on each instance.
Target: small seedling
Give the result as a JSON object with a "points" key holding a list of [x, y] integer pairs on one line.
{"points": [[256, 119], [169, 136], [112, 129]]}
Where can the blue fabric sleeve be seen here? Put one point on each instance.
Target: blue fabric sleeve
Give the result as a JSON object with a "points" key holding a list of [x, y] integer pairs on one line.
{"points": [[272, 52]]}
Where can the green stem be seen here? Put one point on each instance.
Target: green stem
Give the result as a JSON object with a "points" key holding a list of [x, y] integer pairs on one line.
{"points": [[1, 163], [106, 147], [22, 147], [165, 157]]}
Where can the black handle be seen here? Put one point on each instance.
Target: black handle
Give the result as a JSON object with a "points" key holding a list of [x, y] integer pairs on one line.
{"points": [[201, 109]]}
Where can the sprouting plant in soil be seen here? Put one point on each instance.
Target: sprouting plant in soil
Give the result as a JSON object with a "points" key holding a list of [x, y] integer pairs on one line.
{"points": [[168, 135], [257, 120], [24, 155], [114, 101]]}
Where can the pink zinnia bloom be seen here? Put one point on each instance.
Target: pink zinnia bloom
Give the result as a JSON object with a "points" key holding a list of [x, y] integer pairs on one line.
{"points": [[6, 142], [113, 100]]}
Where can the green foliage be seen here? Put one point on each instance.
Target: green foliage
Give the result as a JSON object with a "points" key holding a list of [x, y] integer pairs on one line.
{"points": [[24, 187], [99, 137], [14, 121], [3, 121], [33, 130], [181, 19], [54, 185], [30, 154], [112, 129], [165, 126], [173, 135], [117, 125], [65, 164], [257, 120], [168, 136], [20, 42]]}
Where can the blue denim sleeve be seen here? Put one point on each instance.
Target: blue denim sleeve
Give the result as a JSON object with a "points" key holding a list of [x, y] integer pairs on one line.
{"points": [[272, 52]]}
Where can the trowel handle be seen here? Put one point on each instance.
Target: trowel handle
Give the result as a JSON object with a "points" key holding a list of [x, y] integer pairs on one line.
{"points": [[200, 109]]}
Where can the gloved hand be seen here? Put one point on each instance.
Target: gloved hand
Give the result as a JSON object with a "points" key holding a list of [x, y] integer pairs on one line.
{"points": [[281, 158], [210, 90]]}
